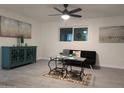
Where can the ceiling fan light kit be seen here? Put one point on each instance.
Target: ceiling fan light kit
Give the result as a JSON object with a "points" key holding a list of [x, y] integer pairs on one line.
{"points": [[65, 17]]}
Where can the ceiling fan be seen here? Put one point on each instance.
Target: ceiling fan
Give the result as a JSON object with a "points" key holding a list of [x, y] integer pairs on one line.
{"points": [[65, 14]]}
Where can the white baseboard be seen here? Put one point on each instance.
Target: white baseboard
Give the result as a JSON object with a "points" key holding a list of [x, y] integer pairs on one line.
{"points": [[116, 67], [46, 59]]}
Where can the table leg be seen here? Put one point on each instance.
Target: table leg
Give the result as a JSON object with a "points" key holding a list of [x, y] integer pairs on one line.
{"points": [[64, 71], [82, 74]]}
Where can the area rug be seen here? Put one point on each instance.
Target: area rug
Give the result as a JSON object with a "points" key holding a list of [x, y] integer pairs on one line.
{"points": [[71, 77]]}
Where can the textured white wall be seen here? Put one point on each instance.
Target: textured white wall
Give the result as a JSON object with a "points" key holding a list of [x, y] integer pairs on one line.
{"points": [[36, 33], [46, 37], [109, 54]]}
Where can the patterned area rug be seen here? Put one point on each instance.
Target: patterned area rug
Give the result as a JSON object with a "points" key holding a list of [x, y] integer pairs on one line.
{"points": [[73, 77]]}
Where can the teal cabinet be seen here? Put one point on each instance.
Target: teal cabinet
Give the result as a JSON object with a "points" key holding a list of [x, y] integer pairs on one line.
{"points": [[17, 56]]}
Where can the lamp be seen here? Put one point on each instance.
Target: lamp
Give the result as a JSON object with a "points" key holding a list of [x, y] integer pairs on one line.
{"points": [[65, 17]]}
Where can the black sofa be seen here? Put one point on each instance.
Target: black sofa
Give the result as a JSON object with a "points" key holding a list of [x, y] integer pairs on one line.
{"points": [[89, 55]]}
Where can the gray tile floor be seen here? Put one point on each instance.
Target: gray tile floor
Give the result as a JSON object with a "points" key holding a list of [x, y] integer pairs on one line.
{"points": [[31, 76]]}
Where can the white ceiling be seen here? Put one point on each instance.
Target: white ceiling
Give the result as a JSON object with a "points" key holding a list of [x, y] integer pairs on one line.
{"points": [[40, 12]]}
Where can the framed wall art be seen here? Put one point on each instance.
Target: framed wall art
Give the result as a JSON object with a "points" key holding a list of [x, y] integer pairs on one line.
{"points": [[9, 27], [25, 30], [14, 28], [111, 34]]}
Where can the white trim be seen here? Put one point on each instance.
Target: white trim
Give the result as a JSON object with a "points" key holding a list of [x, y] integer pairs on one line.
{"points": [[117, 67], [45, 58]]}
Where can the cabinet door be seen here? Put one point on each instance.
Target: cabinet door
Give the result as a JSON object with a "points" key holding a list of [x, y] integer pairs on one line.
{"points": [[29, 54], [21, 55], [14, 54], [25, 30], [17, 56], [9, 27], [34, 54]]}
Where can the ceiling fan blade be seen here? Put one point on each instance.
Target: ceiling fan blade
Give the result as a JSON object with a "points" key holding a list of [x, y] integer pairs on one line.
{"points": [[75, 10], [58, 9], [74, 15], [55, 14]]}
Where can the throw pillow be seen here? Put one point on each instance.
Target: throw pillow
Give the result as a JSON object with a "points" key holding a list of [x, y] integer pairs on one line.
{"points": [[77, 53]]}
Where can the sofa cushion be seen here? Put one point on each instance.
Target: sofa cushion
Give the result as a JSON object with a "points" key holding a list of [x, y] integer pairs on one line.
{"points": [[88, 54]]}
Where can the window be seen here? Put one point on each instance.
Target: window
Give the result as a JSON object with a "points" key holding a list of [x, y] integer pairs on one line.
{"points": [[65, 34], [80, 34], [75, 34]]}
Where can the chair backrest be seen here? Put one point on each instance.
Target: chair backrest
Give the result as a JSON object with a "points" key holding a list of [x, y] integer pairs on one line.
{"points": [[66, 52]]}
